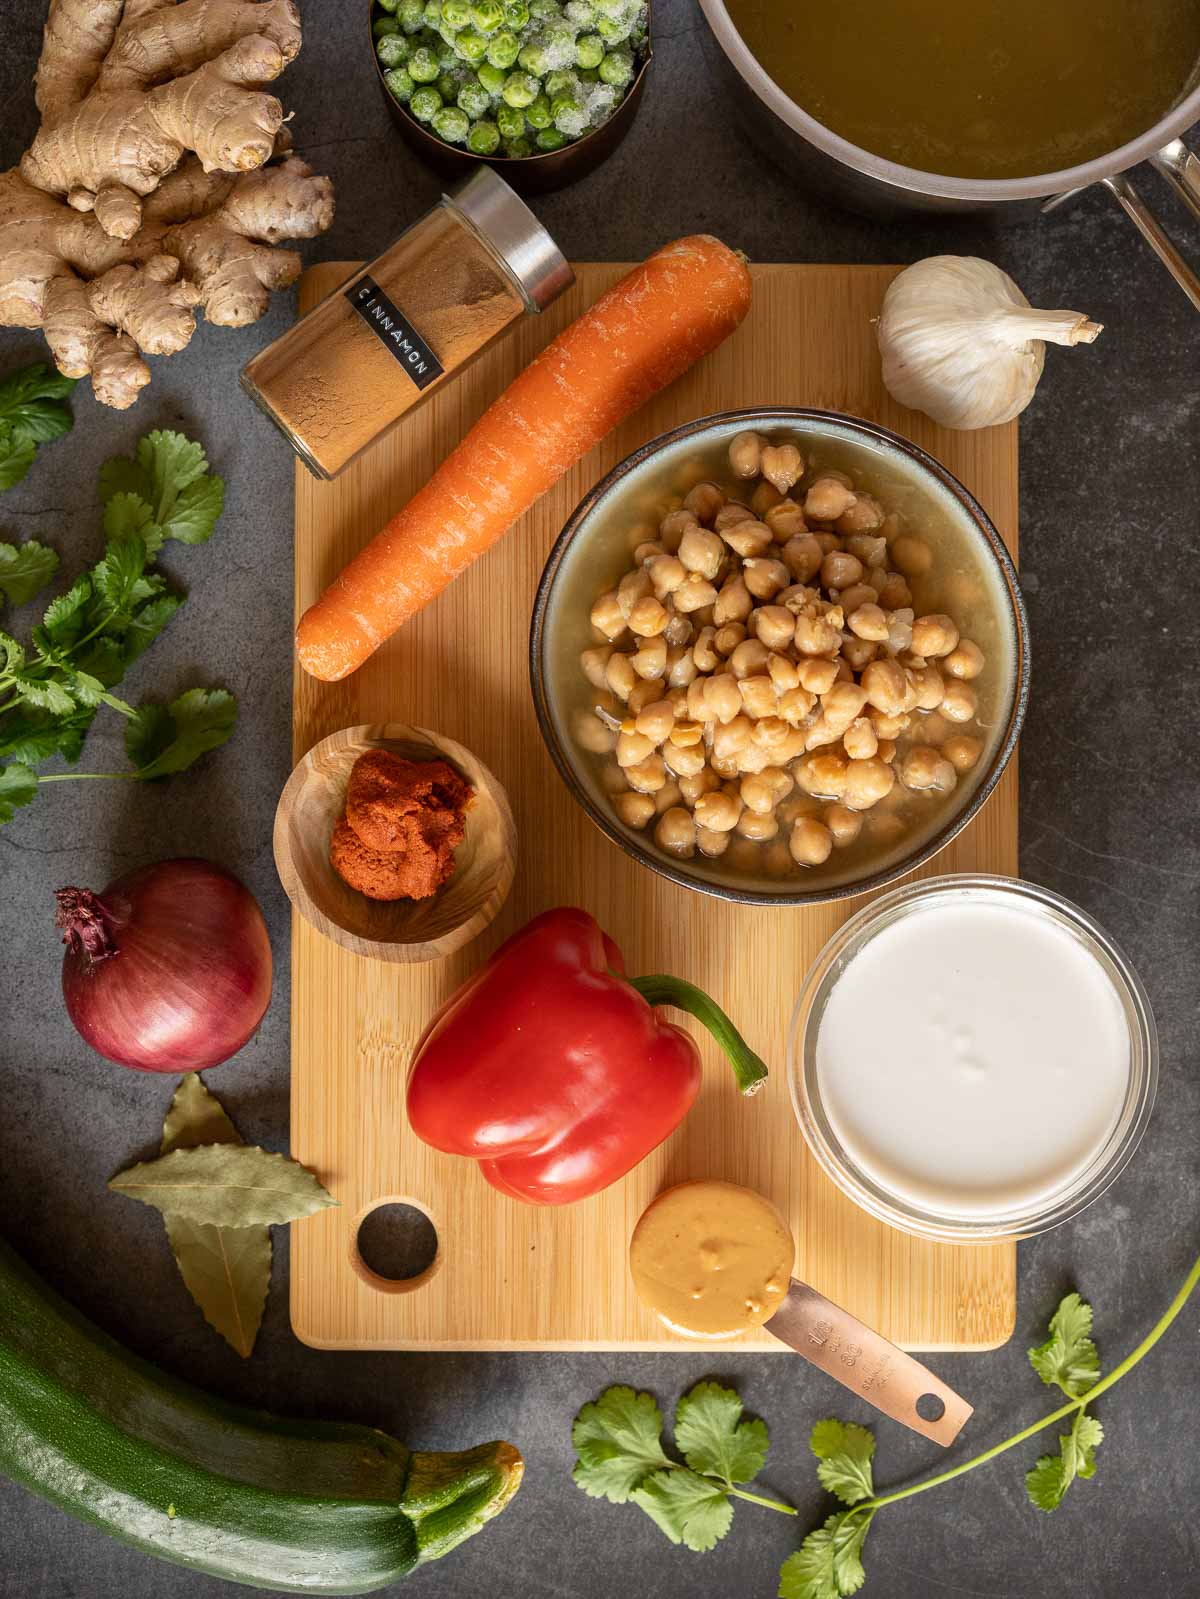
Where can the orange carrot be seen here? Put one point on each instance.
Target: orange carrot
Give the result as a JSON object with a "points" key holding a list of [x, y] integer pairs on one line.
{"points": [[638, 337]]}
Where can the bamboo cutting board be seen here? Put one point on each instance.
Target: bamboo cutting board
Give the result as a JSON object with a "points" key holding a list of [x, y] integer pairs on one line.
{"points": [[511, 1276]]}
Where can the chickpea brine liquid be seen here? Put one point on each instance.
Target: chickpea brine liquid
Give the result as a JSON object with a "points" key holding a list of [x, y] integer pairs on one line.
{"points": [[798, 669]]}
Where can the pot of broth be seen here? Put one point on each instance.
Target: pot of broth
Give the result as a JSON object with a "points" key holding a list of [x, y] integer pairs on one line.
{"points": [[891, 106]]}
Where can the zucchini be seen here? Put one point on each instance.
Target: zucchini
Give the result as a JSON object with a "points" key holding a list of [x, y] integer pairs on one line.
{"points": [[296, 1506]]}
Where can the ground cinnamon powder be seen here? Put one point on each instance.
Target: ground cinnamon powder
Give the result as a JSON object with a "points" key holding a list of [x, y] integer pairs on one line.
{"points": [[402, 823], [339, 379]]}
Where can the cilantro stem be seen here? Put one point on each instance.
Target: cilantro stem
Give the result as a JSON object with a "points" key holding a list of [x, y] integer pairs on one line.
{"points": [[83, 777], [1114, 1376], [758, 1499]]}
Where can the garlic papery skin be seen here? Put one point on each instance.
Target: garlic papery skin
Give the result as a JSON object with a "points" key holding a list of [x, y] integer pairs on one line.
{"points": [[960, 341]]}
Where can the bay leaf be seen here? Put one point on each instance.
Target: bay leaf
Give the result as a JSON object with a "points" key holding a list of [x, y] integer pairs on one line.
{"points": [[226, 1185], [227, 1270]]}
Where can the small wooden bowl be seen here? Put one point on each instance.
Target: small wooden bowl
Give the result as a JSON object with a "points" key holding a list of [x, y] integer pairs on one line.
{"points": [[392, 930]]}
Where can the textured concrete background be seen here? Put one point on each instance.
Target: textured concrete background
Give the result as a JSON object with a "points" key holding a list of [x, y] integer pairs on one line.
{"points": [[1110, 490]]}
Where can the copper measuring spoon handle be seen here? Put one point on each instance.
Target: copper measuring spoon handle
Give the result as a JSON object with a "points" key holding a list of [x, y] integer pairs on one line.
{"points": [[865, 1362]]}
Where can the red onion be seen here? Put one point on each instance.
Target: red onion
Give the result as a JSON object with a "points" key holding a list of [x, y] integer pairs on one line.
{"points": [[169, 969]]}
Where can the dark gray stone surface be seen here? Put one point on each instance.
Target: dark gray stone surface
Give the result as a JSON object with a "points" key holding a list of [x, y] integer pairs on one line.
{"points": [[1110, 490]]}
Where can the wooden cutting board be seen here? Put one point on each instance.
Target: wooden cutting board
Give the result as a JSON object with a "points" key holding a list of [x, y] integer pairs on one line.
{"points": [[511, 1276]]}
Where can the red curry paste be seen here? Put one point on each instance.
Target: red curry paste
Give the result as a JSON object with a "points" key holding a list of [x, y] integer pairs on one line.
{"points": [[402, 824]]}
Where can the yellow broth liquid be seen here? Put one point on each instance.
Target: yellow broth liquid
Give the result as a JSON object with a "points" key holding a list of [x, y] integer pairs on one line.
{"points": [[979, 88]]}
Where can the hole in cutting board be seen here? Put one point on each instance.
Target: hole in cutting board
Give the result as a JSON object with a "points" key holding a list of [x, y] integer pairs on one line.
{"points": [[396, 1247], [930, 1408]]}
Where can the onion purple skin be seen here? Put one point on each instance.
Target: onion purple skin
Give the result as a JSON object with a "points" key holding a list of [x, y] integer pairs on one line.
{"points": [[185, 977]]}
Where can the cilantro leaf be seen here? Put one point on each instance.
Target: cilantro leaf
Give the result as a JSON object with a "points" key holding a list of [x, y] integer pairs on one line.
{"points": [[44, 694], [18, 785], [16, 455], [195, 512], [828, 1564], [1068, 1359], [147, 622], [32, 412], [170, 476], [63, 617], [115, 579], [714, 1439], [689, 1508], [24, 569], [128, 514], [1048, 1481], [618, 1439], [844, 1450], [12, 656], [35, 738], [163, 740]]}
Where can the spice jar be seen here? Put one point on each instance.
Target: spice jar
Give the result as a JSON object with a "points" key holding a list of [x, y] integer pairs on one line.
{"points": [[404, 325]]}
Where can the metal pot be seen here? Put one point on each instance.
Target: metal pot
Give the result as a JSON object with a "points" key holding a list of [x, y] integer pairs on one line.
{"points": [[861, 181]]}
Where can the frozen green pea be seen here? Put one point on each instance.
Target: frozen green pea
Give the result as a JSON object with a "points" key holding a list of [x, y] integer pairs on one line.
{"points": [[588, 75], [400, 84], [484, 138], [589, 50], [534, 58], [433, 13], [537, 112], [387, 5], [474, 100], [516, 14], [447, 87], [456, 14], [546, 10], [452, 124], [393, 49], [516, 148], [550, 139], [503, 48], [425, 104], [616, 68], [559, 82], [487, 15], [510, 121], [613, 31], [422, 64], [611, 8], [581, 12], [385, 28], [411, 15], [519, 89], [471, 46], [492, 78]]}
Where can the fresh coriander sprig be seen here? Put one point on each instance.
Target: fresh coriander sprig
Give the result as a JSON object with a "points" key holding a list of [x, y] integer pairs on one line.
{"points": [[33, 411], [618, 1439], [91, 634]]}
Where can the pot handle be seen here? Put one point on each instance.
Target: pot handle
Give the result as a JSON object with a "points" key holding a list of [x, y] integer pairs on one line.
{"points": [[1182, 171]]}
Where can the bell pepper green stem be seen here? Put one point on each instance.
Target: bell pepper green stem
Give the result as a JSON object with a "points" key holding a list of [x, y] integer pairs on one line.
{"points": [[748, 1068]]}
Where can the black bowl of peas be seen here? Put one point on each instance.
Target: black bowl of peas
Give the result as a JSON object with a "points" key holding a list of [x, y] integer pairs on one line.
{"points": [[542, 90]]}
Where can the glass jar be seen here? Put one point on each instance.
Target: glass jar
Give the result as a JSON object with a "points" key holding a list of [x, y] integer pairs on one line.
{"points": [[407, 323], [860, 1180]]}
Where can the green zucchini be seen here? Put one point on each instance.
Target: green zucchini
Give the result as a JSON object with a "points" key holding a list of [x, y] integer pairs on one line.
{"points": [[296, 1506]]}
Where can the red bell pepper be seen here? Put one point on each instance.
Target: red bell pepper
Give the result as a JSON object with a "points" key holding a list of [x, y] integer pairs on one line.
{"points": [[551, 1068]]}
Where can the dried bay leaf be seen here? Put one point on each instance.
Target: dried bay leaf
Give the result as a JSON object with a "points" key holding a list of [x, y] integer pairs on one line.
{"points": [[225, 1185], [227, 1270]]}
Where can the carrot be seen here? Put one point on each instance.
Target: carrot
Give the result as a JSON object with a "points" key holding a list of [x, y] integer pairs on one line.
{"points": [[638, 337]]}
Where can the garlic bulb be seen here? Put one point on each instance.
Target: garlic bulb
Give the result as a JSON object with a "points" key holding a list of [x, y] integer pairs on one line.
{"points": [[960, 341]]}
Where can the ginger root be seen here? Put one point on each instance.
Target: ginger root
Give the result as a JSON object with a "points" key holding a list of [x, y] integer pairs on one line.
{"points": [[160, 181]]}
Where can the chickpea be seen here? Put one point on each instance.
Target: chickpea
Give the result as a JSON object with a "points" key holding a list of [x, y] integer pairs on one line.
{"points": [[607, 615], [772, 733], [796, 705], [647, 776], [634, 586], [728, 638], [784, 674], [871, 551], [811, 842], [697, 700], [743, 855], [635, 810], [935, 729], [678, 629], [885, 686], [748, 539], [676, 832], [762, 791], [782, 465], [644, 553], [868, 622], [759, 827], [773, 626], [644, 692], [667, 572], [656, 721], [900, 630], [929, 688], [829, 498], [933, 636], [885, 829], [844, 825], [964, 661], [776, 859], [702, 782], [685, 734], [866, 783], [765, 578], [593, 663], [704, 501], [694, 594], [822, 775], [855, 595], [841, 704], [857, 654], [722, 701], [786, 521], [730, 738], [962, 751], [829, 542], [731, 512], [649, 660], [701, 551], [910, 556], [839, 570], [632, 746], [820, 733], [895, 593], [888, 727], [745, 454], [668, 795], [718, 811], [764, 497], [959, 703], [710, 843], [860, 739], [818, 677], [923, 767], [704, 652], [758, 696], [592, 735], [684, 760], [733, 603], [802, 556], [620, 675], [648, 617], [864, 516], [681, 667], [886, 750], [816, 635]]}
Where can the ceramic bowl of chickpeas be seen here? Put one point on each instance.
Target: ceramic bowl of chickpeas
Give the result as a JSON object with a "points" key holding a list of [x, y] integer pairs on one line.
{"points": [[780, 656]]}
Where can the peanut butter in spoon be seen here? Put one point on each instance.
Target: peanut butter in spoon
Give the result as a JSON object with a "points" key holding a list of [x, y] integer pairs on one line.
{"points": [[711, 1260]]}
